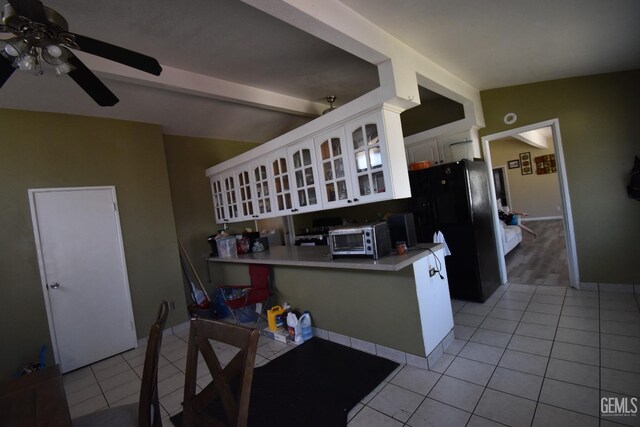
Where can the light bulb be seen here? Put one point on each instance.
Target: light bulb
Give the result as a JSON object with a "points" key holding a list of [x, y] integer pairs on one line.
{"points": [[54, 50], [27, 63], [11, 50], [63, 68]]}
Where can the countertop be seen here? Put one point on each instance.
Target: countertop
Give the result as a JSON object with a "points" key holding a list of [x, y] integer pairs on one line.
{"points": [[318, 256]]}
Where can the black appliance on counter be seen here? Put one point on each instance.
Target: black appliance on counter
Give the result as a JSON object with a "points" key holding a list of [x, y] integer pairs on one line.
{"points": [[454, 199], [317, 234], [402, 228]]}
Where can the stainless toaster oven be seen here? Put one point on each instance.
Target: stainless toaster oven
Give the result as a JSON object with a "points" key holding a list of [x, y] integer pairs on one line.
{"points": [[370, 240]]}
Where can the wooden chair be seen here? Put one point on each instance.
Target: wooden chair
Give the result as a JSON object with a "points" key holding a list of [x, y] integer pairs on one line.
{"points": [[225, 401], [145, 413]]}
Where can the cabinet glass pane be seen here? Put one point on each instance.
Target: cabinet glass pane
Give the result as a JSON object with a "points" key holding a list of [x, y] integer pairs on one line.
{"points": [[299, 179], [278, 185], [375, 158], [358, 139], [378, 182], [361, 161], [280, 202], [268, 205], [308, 175], [276, 168], [242, 194], [372, 134], [285, 182], [328, 173], [363, 183], [339, 168], [258, 190], [263, 172], [306, 157], [302, 198], [248, 192], [313, 200], [296, 160], [324, 150], [256, 174], [331, 192], [287, 200], [342, 190], [336, 148], [260, 206], [266, 189]]}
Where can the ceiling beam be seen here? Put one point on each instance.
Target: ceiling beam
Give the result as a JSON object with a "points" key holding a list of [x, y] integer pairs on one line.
{"points": [[341, 26], [181, 81]]}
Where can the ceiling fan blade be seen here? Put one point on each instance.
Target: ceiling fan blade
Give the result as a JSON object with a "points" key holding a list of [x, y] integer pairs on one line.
{"points": [[118, 54], [6, 69], [88, 81], [32, 9]]}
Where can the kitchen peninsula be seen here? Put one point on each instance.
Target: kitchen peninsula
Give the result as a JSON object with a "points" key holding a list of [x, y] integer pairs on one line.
{"points": [[399, 303]]}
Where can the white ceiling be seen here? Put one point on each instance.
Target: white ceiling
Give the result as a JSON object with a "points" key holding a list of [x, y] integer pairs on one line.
{"points": [[486, 43]]}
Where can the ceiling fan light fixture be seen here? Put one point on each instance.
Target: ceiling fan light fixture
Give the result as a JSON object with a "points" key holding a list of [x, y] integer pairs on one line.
{"points": [[53, 50], [15, 47], [28, 62]]}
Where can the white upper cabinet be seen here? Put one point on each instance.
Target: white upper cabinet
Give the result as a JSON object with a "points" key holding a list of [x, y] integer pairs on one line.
{"points": [[278, 169], [368, 159], [360, 161], [304, 176], [333, 168], [225, 197]]}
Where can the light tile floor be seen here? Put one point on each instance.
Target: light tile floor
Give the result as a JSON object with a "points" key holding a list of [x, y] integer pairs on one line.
{"points": [[528, 356]]}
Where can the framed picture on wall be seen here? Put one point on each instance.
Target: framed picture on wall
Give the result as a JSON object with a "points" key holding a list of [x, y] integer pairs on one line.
{"points": [[526, 168], [513, 164]]}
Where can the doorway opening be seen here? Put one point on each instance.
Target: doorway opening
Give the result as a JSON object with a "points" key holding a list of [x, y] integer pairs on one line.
{"points": [[557, 226], [501, 185]]}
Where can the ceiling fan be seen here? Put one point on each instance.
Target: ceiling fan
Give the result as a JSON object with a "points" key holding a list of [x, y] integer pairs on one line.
{"points": [[41, 39]]}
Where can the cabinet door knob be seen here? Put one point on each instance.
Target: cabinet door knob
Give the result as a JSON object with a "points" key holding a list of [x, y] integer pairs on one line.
{"points": [[349, 201], [355, 200]]}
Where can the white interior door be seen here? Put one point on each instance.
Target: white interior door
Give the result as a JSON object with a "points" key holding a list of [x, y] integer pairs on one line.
{"points": [[83, 273]]}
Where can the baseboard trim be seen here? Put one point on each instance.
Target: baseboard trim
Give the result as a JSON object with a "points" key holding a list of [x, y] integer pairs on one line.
{"points": [[610, 287]]}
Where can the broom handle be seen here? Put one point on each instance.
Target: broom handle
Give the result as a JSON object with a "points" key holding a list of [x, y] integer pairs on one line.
{"points": [[193, 270]]}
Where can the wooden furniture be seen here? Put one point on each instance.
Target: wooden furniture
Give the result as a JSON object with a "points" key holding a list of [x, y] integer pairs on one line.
{"points": [[146, 412], [36, 399], [225, 401]]}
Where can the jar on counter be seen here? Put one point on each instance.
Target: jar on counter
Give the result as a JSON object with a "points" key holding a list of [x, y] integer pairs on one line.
{"points": [[401, 248]]}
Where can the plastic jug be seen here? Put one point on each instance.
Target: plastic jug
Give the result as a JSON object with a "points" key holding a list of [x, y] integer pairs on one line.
{"points": [[295, 329], [272, 313], [305, 323]]}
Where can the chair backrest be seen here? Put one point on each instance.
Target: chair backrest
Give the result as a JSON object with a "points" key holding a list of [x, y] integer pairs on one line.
{"points": [[149, 405], [230, 389], [260, 276]]}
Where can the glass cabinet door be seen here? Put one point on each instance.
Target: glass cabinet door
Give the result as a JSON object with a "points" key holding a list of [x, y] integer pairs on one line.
{"points": [[218, 199], [335, 185], [303, 168], [280, 175], [262, 192], [368, 161], [244, 193], [230, 199]]}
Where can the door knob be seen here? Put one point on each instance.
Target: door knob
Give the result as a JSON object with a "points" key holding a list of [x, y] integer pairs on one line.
{"points": [[55, 285]]}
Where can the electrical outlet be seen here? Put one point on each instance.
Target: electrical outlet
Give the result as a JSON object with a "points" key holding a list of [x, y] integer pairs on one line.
{"points": [[432, 271]]}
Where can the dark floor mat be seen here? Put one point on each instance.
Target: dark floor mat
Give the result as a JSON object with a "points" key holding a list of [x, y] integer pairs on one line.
{"points": [[315, 384]]}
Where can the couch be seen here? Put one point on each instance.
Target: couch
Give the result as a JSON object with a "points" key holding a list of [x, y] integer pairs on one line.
{"points": [[511, 236]]}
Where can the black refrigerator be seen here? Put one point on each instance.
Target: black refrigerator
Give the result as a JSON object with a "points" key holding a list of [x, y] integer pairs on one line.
{"points": [[454, 199]]}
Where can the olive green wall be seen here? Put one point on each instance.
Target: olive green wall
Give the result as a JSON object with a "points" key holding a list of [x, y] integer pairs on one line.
{"points": [[39, 150], [375, 306], [536, 195], [430, 114], [187, 160], [598, 118]]}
